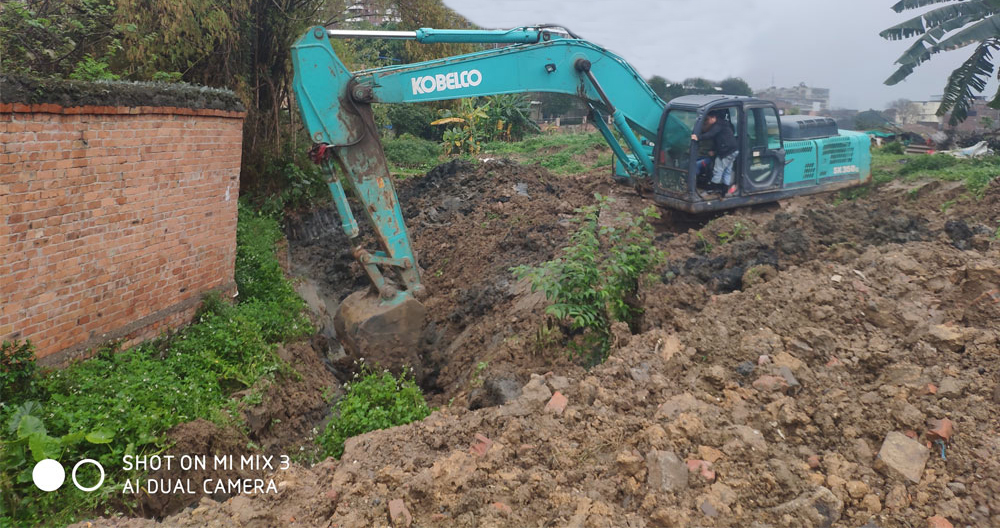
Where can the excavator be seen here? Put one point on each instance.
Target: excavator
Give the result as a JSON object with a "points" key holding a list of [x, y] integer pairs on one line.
{"points": [[779, 156]]}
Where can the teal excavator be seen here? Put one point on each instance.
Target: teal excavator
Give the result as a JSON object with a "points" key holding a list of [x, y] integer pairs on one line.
{"points": [[779, 156]]}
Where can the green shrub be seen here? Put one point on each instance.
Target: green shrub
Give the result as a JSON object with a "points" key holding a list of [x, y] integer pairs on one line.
{"points": [[17, 370], [409, 151], [373, 401], [415, 120], [592, 285], [928, 163], [893, 148]]}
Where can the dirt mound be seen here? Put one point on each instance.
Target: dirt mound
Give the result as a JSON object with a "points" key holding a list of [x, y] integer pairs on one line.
{"points": [[824, 363], [470, 223]]}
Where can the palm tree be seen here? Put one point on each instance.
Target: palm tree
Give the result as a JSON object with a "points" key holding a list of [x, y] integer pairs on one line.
{"points": [[945, 28]]}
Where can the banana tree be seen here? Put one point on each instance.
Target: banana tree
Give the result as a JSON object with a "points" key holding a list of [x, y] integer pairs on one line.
{"points": [[959, 24]]}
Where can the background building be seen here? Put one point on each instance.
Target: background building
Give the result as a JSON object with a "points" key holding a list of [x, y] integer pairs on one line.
{"points": [[803, 99]]}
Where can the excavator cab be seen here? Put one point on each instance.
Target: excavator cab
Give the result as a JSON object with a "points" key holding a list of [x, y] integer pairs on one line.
{"points": [[683, 167]]}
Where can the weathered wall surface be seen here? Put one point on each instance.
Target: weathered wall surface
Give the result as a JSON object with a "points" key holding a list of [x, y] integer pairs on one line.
{"points": [[114, 220]]}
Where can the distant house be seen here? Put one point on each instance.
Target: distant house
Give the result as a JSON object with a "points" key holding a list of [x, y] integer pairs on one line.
{"points": [[981, 118], [371, 12], [803, 99]]}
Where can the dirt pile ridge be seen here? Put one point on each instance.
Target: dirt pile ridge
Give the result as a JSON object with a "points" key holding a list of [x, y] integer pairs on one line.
{"points": [[818, 364]]}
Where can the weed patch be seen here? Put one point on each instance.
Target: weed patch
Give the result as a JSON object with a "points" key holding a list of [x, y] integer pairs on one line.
{"points": [[373, 401], [592, 284]]}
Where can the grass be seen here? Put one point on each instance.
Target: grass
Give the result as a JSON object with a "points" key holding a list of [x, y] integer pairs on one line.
{"points": [[122, 402], [976, 174], [560, 153]]}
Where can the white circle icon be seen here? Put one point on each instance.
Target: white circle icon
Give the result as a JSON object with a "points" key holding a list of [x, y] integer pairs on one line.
{"points": [[87, 461], [48, 475]]}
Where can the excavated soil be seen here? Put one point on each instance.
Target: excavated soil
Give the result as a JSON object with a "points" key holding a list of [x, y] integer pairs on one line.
{"points": [[792, 368]]}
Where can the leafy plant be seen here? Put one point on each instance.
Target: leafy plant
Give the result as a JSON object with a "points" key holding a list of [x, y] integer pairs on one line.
{"points": [[959, 24], [932, 162], [740, 231], [465, 137], [593, 283], [373, 401], [17, 370], [894, 147], [508, 118]]}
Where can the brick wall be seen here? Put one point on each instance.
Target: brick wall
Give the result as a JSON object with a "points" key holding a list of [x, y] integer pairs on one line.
{"points": [[114, 221]]}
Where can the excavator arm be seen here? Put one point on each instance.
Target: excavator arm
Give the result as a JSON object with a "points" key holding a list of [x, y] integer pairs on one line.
{"points": [[335, 104], [335, 107]]}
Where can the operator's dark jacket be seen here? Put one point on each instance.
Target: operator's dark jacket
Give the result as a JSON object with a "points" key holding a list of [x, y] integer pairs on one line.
{"points": [[722, 133]]}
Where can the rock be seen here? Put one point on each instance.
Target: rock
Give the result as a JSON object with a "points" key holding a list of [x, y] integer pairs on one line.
{"points": [[871, 504], [559, 383], [557, 404], [770, 383], [784, 359], [751, 437], [951, 387], [495, 391], [763, 359], [665, 472], [639, 374], [938, 522], [682, 403], [709, 454], [909, 416], [481, 445], [946, 337], [708, 509], [503, 509], [716, 376], [703, 468], [863, 451], [904, 456], [630, 462], [897, 498], [941, 430], [857, 489], [813, 461], [535, 390], [745, 368], [819, 507], [957, 488], [793, 384], [398, 514]]}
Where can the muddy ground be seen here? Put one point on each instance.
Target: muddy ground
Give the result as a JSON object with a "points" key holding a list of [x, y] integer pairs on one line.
{"points": [[816, 363]]}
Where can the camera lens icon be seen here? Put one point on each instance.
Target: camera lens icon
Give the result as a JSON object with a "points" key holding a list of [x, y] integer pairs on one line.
{"points": [[49, 475]]}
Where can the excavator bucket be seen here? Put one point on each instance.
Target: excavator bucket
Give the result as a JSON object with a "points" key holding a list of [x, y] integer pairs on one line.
{"points": [[384, 334]]}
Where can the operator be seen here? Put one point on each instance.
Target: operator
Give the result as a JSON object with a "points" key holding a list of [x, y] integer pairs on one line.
{"points": [[717, 129]]}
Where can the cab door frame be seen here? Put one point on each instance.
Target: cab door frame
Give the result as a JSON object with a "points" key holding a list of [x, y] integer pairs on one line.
{"points": [[763, 166]]}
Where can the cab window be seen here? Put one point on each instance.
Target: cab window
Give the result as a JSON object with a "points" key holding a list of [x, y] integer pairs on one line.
{"points": [[675, 145], [762, 128]]}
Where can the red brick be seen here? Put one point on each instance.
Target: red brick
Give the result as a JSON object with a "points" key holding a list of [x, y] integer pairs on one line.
{"points": [[557, 404], [481, 445], [938, 522]]}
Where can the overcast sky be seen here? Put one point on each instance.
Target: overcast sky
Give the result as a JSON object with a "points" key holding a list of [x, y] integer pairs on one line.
{"points": [[824, 43]]}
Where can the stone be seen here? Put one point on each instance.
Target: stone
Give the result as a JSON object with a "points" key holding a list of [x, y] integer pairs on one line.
{"points": [[709, 454], [813, 461], [957, 488], [557, 404], [784, 359], [904, 456], [770, 383], [909, 416], [938, 522], [946, 337], [871, 504], [941, 430], [793, 384], [897, 498], [536, 390], [951, 387], [703, 468], [751, 437], [481, 445], [820, 508], [665, 471], [857, 489], [745, 368], [398, 514], [503, 509], [630, 462]]}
